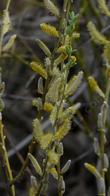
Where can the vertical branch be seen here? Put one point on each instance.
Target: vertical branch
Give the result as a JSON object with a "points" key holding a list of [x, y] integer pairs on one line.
{"points": [[2, 137]]}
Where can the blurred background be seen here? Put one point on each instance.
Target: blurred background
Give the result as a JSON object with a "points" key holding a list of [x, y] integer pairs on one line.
{"points": [[21, 88]]}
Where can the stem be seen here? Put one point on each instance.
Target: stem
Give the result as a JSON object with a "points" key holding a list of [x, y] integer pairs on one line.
{"points": [[8, 4], [43, 177], [2, 137], [5, 159], [102, 134], [24, 165]]}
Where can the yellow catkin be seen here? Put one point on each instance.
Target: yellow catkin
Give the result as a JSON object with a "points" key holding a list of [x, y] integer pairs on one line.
{"points": [[63, 130], [60, 59], [46, 140], [95, 87], [53, 92], [48, 107], [75, 35], [73, 84], [69, 112], [53, 157], [49, 29], [37, 67], [61, 49], [96, 36], [67, 40], [51, 7], [103, 7], [92, 169], [54, 173], [37, 130]]}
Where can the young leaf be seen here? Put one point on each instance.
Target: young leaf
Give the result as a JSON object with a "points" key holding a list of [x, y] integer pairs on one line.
{"points": [[10, 43], [40, 85], [6, 22], [43, 47], [51, 7], [54, 173], [35, 164], [66, 167]]}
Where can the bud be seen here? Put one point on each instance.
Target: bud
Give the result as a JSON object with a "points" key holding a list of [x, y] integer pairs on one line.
{"points": [[40, 85], [66, 167], [61, 185]]}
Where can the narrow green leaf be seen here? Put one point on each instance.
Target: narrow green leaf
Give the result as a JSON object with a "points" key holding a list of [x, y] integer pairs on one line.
{"points": [[35, 164]]}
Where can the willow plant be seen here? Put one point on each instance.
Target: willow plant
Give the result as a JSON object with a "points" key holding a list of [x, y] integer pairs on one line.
{"points": [[6, 26], [102, 168], [55, 90]]}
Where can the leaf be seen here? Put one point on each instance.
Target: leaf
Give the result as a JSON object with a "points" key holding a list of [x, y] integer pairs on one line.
{"points": [[35, 164], [6, 22], [66, 167], [9, 44], [43, 47], [40, 85], [51, 7], [95, 87]]}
